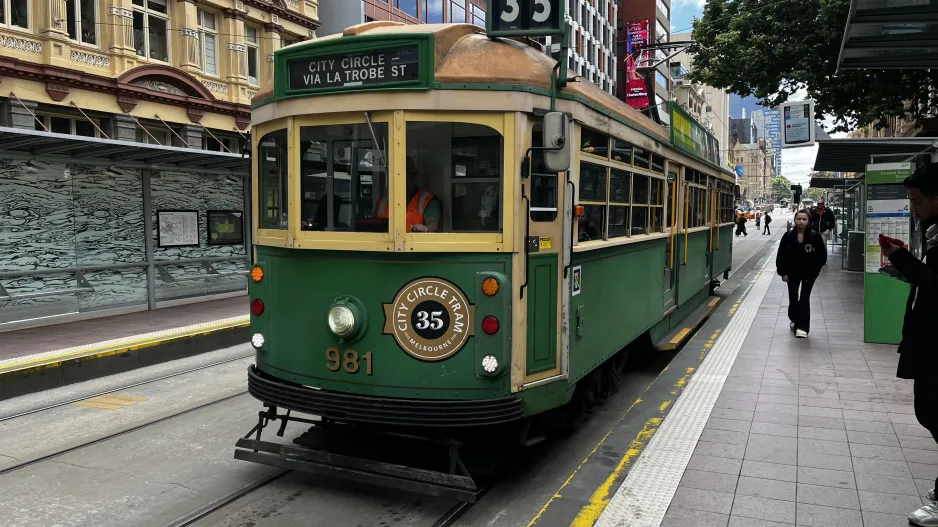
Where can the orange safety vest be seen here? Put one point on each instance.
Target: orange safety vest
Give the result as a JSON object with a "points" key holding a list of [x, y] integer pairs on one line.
{"points": [[415, 209]]}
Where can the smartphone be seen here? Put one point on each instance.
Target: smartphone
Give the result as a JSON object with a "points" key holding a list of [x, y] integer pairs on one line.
{"points": [[890, 270]]}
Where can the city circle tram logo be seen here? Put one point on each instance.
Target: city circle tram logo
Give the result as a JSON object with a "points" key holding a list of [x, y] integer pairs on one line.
{"points": [[430, 319]]}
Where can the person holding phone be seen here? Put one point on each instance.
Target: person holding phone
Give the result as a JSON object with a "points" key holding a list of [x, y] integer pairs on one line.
{"points": [[918, 349], [801, 255]]}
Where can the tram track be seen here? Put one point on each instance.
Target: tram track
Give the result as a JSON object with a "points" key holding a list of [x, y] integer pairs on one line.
{"points": [[124, 387], [114, 435]]}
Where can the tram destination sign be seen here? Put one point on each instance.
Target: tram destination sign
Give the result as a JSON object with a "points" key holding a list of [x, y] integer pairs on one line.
{"points": [[355, 70]]}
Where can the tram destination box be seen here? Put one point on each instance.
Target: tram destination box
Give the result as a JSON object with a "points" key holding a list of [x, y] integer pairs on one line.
{"points": [[355, 70]]}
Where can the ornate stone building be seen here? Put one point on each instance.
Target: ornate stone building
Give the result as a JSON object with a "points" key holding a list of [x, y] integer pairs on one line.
{"points": [[173, 72]]}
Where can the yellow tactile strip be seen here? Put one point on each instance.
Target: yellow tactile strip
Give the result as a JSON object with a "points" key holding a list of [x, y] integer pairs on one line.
{"points": [[52, 359]]}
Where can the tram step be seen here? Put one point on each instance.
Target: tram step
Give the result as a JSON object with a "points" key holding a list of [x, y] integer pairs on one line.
{"points": [[685, 330]]}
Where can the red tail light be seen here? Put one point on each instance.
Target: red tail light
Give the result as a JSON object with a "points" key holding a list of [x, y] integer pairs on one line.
{"points": [[257, 307], [490, 325]]}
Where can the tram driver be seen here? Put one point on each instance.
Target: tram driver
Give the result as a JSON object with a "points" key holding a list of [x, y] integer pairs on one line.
{"points": [[423, 208]]}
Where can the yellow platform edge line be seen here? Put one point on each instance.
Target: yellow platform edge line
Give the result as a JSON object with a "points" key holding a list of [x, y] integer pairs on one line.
{"points": [[91, 354], [714, 302], [122, 397]]}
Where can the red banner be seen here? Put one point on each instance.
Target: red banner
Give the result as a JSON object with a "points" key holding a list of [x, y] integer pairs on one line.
{"points": [[636, 92]]}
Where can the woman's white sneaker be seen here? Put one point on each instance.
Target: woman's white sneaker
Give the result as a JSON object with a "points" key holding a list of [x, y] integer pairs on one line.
{"points": [[801, 334]]}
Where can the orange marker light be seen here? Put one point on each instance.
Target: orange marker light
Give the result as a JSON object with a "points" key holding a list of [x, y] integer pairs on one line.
{"points": [[257, 274], [580, 211], [490, 286]]}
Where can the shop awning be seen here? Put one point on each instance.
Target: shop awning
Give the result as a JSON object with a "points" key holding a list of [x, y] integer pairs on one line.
{"points": [[852, 155], [890, 34], [22, 143]]}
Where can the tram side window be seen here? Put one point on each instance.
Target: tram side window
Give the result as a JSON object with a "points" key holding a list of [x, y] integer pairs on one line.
{"points": [[543, 183], [595, 143], [454, 177], [640, 197], [344, 178], [619, 199], [272, 166]]}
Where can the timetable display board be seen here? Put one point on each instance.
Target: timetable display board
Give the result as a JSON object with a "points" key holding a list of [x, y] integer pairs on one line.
{"points": [[888, 213]]}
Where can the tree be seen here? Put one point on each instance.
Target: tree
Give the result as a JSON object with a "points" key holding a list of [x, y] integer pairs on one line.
{"points": [[781, 188], [771, 49], [816, 193]]}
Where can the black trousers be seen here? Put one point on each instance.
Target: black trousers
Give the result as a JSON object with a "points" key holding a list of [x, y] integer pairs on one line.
{"points": [[925, 392], [766, 231], [799, 307], [740, 229]]}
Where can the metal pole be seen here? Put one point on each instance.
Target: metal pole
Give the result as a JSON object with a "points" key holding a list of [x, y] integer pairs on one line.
{"points": [[148, 238]]}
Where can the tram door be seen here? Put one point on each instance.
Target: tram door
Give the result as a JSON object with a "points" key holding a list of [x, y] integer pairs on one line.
{"points": [[549, 216], [670, 249]]}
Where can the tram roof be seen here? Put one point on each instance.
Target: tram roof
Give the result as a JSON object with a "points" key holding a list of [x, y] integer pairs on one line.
{"points": [[463, 54]]}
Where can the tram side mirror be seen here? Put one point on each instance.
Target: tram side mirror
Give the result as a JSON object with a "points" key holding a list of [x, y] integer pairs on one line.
{"points": [[558, 139]]}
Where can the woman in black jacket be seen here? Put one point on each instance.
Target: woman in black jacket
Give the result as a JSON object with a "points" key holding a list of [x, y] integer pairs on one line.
{"points": [[801, 256]]}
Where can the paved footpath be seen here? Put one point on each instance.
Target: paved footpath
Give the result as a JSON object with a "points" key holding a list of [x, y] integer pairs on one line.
{"points": [[777, 431]]}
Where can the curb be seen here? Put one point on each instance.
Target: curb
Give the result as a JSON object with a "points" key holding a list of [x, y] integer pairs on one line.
{"points": [[44, 371]]}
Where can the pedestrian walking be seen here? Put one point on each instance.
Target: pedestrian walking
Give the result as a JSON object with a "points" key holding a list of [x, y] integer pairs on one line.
{"points": [[918, 356], [758, 220], [741, 224], [801, 255], [767, 220]]}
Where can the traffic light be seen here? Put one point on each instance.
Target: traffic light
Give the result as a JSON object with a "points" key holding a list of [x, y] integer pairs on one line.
{"points": [[796, 199]]}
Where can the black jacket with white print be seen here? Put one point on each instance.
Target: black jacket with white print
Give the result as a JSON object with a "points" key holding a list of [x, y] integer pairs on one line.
{"points": [[801, 260]]}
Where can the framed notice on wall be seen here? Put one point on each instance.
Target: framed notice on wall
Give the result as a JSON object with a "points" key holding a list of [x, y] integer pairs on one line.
{"points": [[177, 228], [225, 227]]}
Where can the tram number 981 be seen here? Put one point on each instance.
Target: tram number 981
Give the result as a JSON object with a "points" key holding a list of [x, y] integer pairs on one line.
{"points": [[350, 361], [526, 15]]}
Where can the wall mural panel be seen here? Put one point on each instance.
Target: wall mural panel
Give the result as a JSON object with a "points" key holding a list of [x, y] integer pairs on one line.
{"points": [[37, 232]]}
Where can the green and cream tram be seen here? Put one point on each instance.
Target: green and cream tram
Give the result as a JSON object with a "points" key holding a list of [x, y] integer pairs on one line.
{"points": [[420, 271]]}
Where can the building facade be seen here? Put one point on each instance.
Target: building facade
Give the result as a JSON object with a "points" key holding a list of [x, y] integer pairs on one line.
{"points": [[754, 185], [157, 71], [592, 30], [657, 15], [99, 99]]}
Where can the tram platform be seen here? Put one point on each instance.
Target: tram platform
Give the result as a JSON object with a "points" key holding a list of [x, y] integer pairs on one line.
{"points": [[39, 358], [774, 431]]}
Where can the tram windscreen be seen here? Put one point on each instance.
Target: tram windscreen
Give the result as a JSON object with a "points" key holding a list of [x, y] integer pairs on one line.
{"points": [[344, 178]]}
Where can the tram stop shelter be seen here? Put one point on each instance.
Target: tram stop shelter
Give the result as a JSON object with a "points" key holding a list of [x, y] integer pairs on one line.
{"points": [[889, 35], [92, 227]]}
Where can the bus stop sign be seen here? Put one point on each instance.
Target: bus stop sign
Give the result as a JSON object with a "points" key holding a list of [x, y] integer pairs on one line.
{"points": [[512, 18]]}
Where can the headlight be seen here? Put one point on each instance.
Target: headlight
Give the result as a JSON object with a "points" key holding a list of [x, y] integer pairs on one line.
{"points": [[341, 321], [489, 363], [257, 340]]}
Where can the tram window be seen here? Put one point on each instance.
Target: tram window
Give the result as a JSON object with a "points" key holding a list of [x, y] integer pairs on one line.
{"points": [[691, 208], [591, 224], [592, 182], [272, 166], [593, 142], [639, 220], [657, 163], [454, 179], [618, 221], [619, 186], [640, 158], [342, 168], [640, 189], [621, 151], [543, 183]]}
